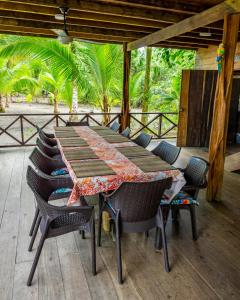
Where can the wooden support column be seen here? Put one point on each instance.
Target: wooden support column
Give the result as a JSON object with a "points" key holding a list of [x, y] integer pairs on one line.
{"points": [[126, 76], [219, 129]]}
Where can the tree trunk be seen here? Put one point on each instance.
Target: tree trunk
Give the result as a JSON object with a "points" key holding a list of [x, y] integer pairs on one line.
{"points": [[7, 101], [145, 100], [74, 108], [106, 109], [55, 104], [2, 108]]}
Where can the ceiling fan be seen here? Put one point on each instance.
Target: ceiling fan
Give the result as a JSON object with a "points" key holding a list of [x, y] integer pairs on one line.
{"points": [[63, 35]]}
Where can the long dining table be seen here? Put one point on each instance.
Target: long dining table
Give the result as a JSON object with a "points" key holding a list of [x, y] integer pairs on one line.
{"points": [[99, 160]]}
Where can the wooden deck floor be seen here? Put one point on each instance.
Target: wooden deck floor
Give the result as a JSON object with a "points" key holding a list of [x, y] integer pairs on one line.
{"points": [[206, 269]]}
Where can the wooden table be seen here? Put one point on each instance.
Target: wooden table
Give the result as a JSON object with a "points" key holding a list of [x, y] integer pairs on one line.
{"points": [[99, 160]]}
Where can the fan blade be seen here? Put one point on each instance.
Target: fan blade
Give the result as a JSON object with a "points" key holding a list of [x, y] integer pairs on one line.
{"points": [[60, 32], [88, 41]]}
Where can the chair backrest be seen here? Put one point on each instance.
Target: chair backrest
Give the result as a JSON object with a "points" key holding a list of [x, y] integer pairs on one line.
{"points": [[126, 132], [43, 162], [139, 201], [195, 171], [143, 139], [49, 141], [80, 123], [46, 148], [167, 152], [115, 126], [38, 184]]}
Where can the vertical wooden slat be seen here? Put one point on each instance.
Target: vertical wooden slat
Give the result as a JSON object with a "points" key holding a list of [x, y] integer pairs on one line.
{"points": [[126, 75], [183, 113], [221, 110]]}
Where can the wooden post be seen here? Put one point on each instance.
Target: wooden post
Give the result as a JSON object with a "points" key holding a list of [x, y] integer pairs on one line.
{"points": [[219, 129], [126, 75]]}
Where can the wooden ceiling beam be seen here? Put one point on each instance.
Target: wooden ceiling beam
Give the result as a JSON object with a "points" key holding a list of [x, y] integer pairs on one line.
{"points": [[202, 19], [93, 16], [122, 35], [88, 6], [95, 24]]}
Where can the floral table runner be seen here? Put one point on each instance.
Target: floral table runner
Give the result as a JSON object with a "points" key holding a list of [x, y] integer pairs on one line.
{"points": [[121, 169]]}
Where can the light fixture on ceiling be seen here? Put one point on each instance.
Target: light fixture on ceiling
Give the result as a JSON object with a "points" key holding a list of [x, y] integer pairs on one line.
{"points": [[206, 33]]}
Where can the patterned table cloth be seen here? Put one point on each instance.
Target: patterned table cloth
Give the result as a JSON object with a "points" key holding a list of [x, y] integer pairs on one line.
{"points": [[123, 168]]}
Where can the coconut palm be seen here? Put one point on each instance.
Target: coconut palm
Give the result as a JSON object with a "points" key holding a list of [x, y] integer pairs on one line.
{"points": [[102, 66]]}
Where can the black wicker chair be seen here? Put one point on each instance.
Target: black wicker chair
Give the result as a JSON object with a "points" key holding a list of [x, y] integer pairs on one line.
{"points": [[49, 135], [49, 141], [143, 139], [115, 126], [195, 176], [80, 123], [48, 150], [45, 163], [126, 132], [55, 220], [134, 207], [167, 152]]}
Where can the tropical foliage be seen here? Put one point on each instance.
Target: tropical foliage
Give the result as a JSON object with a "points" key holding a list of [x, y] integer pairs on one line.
{"points": [[90, 73]]}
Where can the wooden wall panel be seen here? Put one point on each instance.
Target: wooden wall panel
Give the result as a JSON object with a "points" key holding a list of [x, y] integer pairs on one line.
{"points": [[196, 108], [206, 58]]}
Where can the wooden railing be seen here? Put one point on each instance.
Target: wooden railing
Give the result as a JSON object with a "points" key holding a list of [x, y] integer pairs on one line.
{"points": [[159, 125], [21, 129]]}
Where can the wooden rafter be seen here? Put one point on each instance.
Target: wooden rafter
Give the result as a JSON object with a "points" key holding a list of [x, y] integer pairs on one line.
{"points": [[199, 20]]}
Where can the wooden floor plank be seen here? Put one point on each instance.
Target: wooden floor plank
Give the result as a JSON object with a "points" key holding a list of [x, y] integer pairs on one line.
{"points": [[6, 167], [101, 285], [20, 289], [26, 213], [50, 280], [74, 280], [9, 229]]}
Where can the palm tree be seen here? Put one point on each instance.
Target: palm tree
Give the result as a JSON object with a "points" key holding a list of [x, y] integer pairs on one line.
{"points": [[102, 66], [64, 67]]}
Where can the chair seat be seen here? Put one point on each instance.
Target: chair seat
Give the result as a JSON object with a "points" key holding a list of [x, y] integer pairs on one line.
{"points": [[182, 198], [62, 171]]}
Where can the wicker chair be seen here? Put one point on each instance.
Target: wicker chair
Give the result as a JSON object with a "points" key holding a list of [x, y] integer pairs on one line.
{"points": [[45, 163], [80, 123], [143, 139], [167, 152], [126, 132], [49, 135], [55, 220], [115, 126], [134, 207], [195, 176], [49, 141], [48, 150]]}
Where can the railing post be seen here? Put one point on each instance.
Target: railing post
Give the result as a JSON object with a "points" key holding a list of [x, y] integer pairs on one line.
{"points": [[21, 126], [160, 125]]}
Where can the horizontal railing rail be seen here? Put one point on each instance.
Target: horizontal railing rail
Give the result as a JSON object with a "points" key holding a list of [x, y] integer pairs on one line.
{"points": [[21, 129]]}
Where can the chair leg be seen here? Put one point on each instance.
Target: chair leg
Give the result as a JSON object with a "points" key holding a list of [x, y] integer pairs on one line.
{"points": [[118, 249], [83, 234], [165, 250], [146, 234], [158, 240], [193, 222], [93, 244], [36, 258], [34, 233], [34, 221], [99, 222], [175, 213]]}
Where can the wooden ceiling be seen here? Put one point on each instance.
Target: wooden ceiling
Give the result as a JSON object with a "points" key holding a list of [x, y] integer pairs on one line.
{"points": [[113, 21]]}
